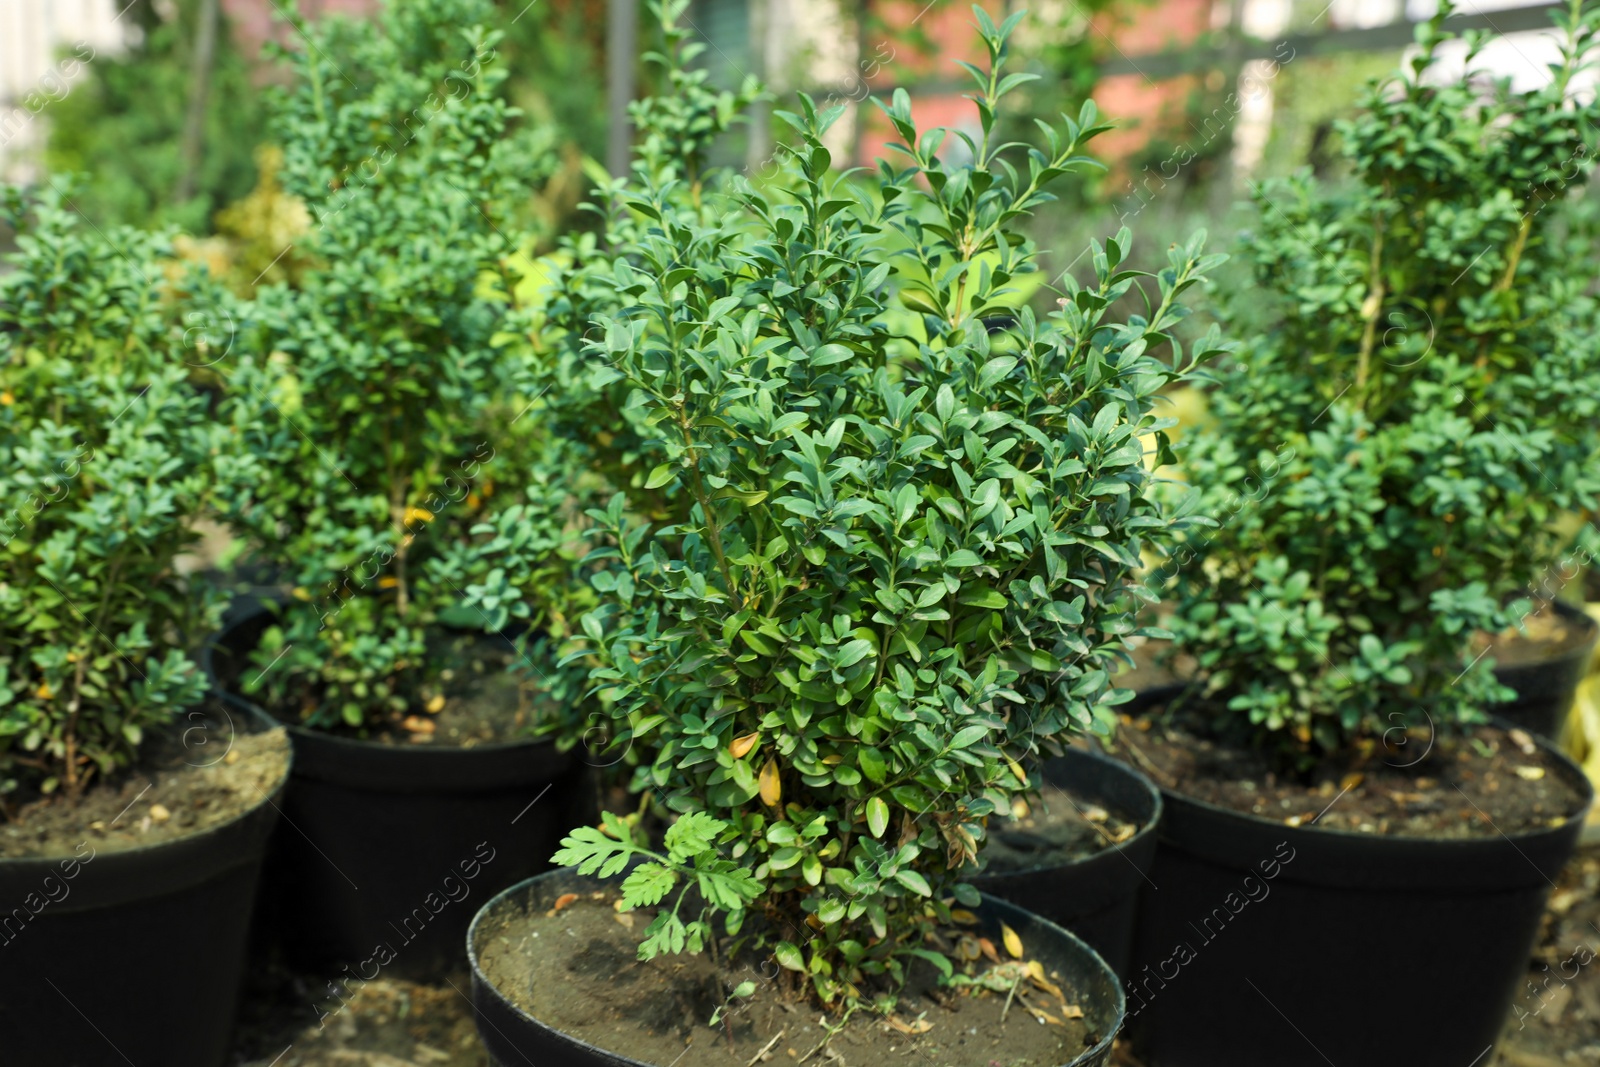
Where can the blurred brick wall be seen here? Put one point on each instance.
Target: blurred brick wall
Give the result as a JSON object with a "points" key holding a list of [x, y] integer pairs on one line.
{"points": [[1140, 107], [254, 22]]}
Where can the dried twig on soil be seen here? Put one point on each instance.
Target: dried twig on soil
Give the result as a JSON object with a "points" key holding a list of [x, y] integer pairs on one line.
{"points": [[765, 1048], [1009, 995], [819, 1047]]}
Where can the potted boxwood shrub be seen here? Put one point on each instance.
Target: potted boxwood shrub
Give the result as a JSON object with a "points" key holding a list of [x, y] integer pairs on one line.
{"points": [[892, 573], [381, 398], [133, 812], [1077, 854], [1344, 832]]}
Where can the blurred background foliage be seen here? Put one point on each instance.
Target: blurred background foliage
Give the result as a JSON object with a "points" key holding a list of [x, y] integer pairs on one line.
{"points": [[123, 127]]}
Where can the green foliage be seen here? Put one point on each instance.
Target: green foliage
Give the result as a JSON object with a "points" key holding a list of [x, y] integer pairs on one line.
{"points": [[380, 397], [691, 863], [894, 561], [123, 127], [554, 53], [110, 455], [1420, 403], [679, 125]]}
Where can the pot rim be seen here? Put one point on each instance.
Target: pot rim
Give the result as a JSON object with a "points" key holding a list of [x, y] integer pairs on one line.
{"points": [[1148, 830], [1580, 652], [1159, 694], [1100, 1047]]}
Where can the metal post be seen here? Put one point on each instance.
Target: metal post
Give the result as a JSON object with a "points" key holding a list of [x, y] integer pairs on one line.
{"points": [[622, 47], [759, 147], [194, 125]]}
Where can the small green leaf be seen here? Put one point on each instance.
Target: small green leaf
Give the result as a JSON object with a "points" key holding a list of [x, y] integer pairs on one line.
{"points": [[788, 957], [968, 736], [872, 763], [877, 816], [914, 882], [660, 476]]}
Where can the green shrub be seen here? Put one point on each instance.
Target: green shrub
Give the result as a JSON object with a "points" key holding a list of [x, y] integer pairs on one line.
{"points": [[383, 395], [895, 565], [108, 458], [1418, 402]]}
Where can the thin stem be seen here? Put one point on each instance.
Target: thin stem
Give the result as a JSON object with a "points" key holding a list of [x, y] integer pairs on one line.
{"points": [[1372, 310], [1507, 278], [713, 532]]}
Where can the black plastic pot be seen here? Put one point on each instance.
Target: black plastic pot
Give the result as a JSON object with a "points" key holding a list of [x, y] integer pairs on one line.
{"points": [[138, 956], [1096, 896], [516, 1039], [1358, 950], [1545, 689], [386, 850]]}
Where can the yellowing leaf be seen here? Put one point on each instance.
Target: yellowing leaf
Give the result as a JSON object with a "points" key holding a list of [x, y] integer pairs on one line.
{"points": [[417, 515], [6, 399], [1016, 769], [769, 783], [1036, 975], [43, 692], [436, 705], [919, 1025], [1013, 943], [741, 746]]}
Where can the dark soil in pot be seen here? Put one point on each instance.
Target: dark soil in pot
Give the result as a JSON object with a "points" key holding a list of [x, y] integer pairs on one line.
{"points": [[1544, 664], [1068, 823], [127, 911], [1377, 913], [1079, 855], [1488, 783], [564, 986], [477, 699], [390, 841]]}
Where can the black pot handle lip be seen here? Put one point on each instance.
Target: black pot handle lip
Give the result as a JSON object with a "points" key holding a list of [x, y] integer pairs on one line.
{"points": [[1088, 1056]]}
